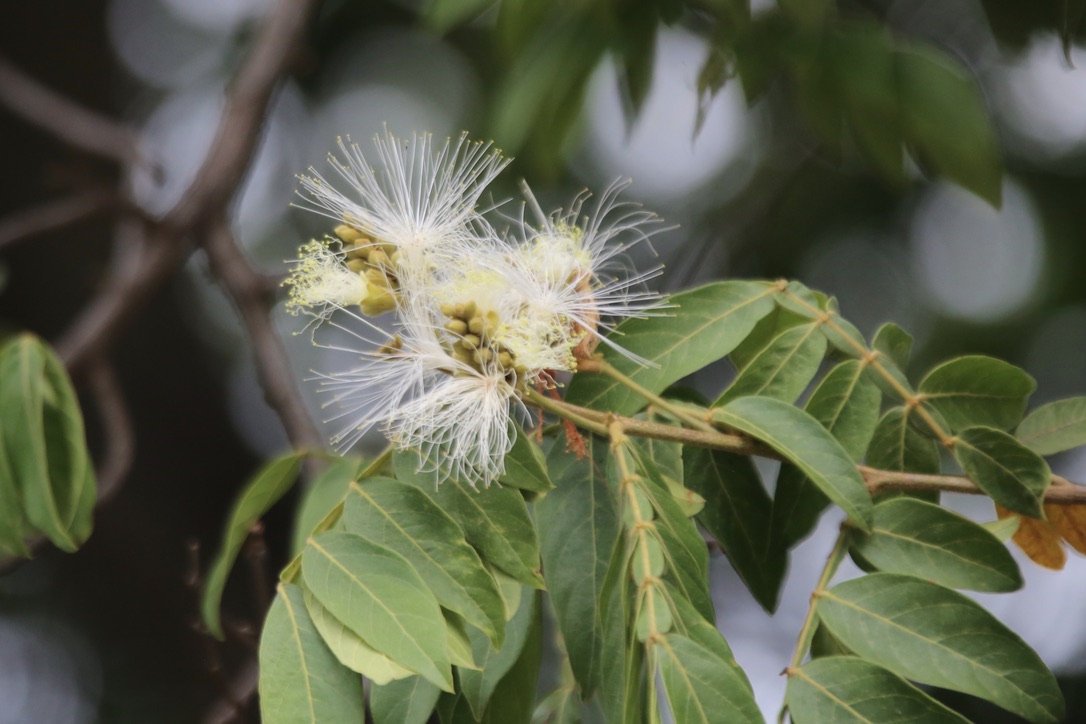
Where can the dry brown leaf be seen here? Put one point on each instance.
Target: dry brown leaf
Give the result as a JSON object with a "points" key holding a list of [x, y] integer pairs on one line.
{"points": [[1038, 539], [1070, 522]]}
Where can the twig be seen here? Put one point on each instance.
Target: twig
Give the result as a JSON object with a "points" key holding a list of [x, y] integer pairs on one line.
{"points": [[248, 291], [66, 120], [1060, 493], [117, 426], [207, 197], [56, 215]]}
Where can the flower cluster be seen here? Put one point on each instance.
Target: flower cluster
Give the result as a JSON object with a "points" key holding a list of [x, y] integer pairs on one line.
{"points": [[478, 315]]}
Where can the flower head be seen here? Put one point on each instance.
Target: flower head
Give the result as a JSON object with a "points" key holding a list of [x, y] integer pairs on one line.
{"points": [[478, 317]]}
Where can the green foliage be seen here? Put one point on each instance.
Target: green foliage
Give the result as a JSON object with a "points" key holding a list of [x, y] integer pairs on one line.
{"points": [[706, 324], [847, 689], [932, 635], [437, 593], [47, 481], [300, 679], [924, 540], [262, 492], [1055, 427]]}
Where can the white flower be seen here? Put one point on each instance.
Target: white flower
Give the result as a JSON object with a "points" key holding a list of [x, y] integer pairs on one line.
{"points": [[418, 199], [575, 261], [320, 281], [478, 318]]}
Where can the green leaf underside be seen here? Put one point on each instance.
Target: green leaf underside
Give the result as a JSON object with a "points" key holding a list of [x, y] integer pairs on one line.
{"points": [[1012, 474], [578, 529], [404, 519], [352, 651], [48, 480], [846, 403], [894, 343], [701, 687], [1054, 427], [406, 701], [495, 520], [706, 325], [978, 391], [300, 678], [324, 494], [848, 690], [685, 552], [737, 513], [783, 368], [378, 595], [525, 467], [478, 686], [918, 538], [265, 489], [509, 704], [935, 636], [805, 443]]}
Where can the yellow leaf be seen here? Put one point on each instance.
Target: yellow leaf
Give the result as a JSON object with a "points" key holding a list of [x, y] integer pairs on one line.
{"points": [[1038, 539], [1070, 522]]}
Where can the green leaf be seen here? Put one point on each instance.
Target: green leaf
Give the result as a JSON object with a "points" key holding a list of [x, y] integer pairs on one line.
{"points": [[737, 513], [578, 528], [783, 369], [404, 519], [378, 595], [300, 678], [50, 471], [441, 16], [321, 497], [805, 443], [1012, 474], [894, 344], [946, 124], [702, 687], [843, 689], [767, 329], [406, 701], [263, 491], [1003, 528], [846, 403], [706, 325], [525, 467], [478, 686], [514, 697], [693, 625], [924, 540], [494, 520], [936, 636], [352, 651], [898, 445], [1054, 427], [976, 390], [561, 706], [685, 552], [842, 334]]}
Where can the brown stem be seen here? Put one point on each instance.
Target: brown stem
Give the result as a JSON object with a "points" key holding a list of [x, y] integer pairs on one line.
{"points": [[248, 291], [1061, 492], [56, 215], [66, 120]]}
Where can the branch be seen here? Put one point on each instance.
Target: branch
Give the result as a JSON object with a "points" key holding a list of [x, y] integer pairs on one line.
{"points": [[248, 290], [117, 424], [66, 120], [1061, 492], [214, 187], [56, 215]]}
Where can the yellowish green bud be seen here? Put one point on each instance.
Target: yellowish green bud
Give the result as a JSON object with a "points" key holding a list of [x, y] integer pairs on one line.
{"points": [[348, 234], [456, 326]]}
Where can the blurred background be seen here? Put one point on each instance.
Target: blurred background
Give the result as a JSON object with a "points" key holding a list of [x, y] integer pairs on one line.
{"points": [[733, 124]]}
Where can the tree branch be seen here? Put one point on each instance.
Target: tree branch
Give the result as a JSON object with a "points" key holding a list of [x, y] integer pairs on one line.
{"points": [[248, 290], [66, 120], [214, 187], [56, 215], [1061, 492]]}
